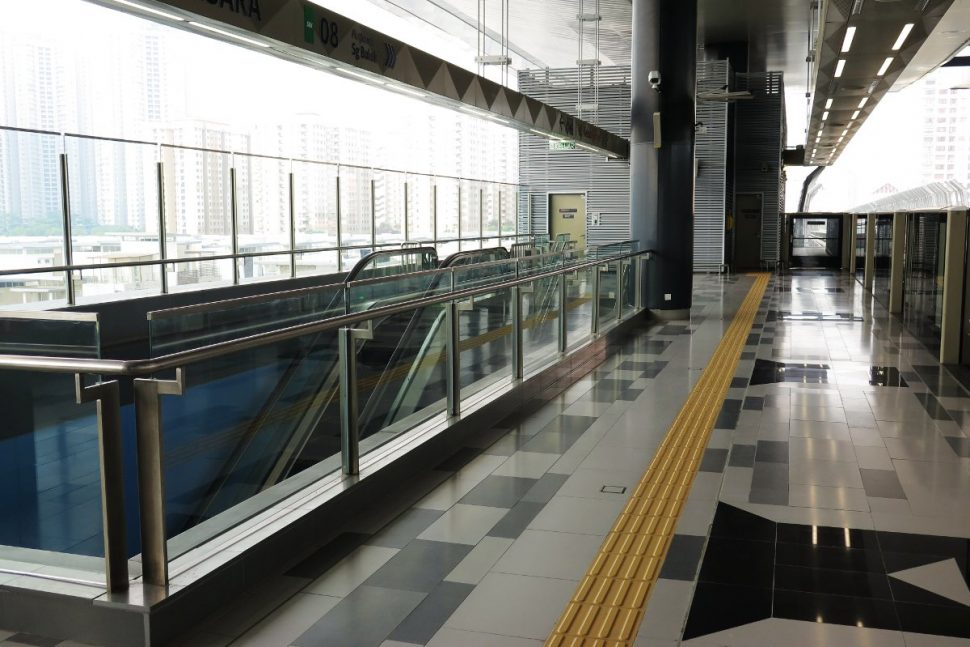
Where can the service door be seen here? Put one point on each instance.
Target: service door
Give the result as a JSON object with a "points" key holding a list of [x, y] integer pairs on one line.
{"points": [[567, 215], [747, 231]]}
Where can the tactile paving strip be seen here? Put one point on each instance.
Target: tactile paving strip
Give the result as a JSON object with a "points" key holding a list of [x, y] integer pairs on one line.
{"points": [[608, 606]]}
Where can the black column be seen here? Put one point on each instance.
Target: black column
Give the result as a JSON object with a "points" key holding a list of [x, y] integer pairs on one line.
{"points": [[662, 181]]}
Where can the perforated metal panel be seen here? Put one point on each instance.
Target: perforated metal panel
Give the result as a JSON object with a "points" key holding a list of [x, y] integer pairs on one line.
{"points": [[710, 152], [543, 171], [759, 140]]}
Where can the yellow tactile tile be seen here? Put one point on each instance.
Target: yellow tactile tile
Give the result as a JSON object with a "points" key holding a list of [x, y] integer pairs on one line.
{"points": [[609, 603]]}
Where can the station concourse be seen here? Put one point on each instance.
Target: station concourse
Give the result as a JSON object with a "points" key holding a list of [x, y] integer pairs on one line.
{"points": [[505, 323]]}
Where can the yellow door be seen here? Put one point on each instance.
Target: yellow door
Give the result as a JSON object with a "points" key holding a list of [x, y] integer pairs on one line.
{"points": [[567, 215]]}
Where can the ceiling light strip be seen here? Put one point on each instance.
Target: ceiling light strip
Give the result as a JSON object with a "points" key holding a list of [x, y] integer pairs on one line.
{"points": [[903, 35], [885, 67], [847, 41], [839, 68]]}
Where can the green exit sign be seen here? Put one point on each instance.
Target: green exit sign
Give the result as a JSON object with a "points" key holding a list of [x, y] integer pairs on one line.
{"points": [[562, 146]]}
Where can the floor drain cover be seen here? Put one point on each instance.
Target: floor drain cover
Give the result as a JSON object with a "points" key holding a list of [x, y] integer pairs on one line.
{"points": [[613, 489]]}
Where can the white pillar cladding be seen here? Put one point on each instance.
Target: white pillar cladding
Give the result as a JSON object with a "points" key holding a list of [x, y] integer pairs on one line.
{"points": [[953, 286], [853, 241], [848, 247], [898, 266]]}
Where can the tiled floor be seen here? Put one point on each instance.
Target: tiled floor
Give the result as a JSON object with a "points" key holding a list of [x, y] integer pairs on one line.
{"points": [[831, 507]]}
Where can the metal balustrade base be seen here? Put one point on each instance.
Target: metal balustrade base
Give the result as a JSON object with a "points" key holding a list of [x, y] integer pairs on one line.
{"points": [[151, 616]]}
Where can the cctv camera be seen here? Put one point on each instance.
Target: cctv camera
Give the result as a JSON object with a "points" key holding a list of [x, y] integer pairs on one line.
{"points": [[654, 79]]}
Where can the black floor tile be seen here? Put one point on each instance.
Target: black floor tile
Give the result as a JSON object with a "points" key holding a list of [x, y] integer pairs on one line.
{"points": [[905, 592], [742, 456], [739, 524], [499, 491], [429, 616], [739, 383], [738, 562], [419, 566], [682, 559], [835, 609], [882, 483], [830, 557], [516, 520], [718, 606], [960, 445], [713, 460], [928, 619], [932, 406], [827, 536], [860, 584], [886, 376]]}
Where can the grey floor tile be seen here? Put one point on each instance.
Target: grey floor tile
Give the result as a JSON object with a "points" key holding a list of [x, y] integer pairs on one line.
{"points": [[420, 566], [771, 451], [742, 456], [584, 516], [713, 460], [882, 483], [770, 496], [499, 491], [429, 616], [665, 612], [364, 618], [540, 553], [517, 519], [514, 605], [590, 484], [545, 488], [405, 528], [351, 571], [770, 475], [449, 637], [873, 458], [324, 559], [526, 464], [287, 623], [480, 560], [464, 524], [683, 558]]}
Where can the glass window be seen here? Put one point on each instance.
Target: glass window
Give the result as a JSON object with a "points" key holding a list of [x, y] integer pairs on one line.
{"points": [[447, 208], [263, 216], [389, 207], [420, 208], [471, 209], [356, 186]]}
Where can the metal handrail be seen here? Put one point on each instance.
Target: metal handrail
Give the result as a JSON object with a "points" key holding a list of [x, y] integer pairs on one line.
{"points": [[146, 367]]}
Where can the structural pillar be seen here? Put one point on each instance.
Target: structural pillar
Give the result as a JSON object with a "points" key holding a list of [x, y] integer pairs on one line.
{"points": [[953, 278], [662, 163], [896, 271], [853, 241], [848, 249], [870, 272]]}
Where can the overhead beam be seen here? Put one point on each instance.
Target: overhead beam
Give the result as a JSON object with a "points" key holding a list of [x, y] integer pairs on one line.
{"points": [[311, 35]]}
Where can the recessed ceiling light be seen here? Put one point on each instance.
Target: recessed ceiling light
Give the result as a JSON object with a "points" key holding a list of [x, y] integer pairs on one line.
{"points": [[862, 104], [839, 68], [903, 35], [825, 116], [162, 14], [828, 104], [222, 32], [885, 66], [855, 115], [847, 42]]}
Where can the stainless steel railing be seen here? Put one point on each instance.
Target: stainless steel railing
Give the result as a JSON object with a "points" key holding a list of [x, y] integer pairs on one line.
{"points": [[148, 390]]}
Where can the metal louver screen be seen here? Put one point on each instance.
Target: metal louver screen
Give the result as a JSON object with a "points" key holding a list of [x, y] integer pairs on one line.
{"points": [[543, 171], [760, 137], [710, 153]]}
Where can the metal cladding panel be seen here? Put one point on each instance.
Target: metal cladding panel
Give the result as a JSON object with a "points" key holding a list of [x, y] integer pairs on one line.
{"points": [[937, 195], [543, 171], [710, 153], [760, 139]]}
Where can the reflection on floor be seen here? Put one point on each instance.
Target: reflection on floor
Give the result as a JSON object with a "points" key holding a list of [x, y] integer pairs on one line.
{"points": [[831, 506]]}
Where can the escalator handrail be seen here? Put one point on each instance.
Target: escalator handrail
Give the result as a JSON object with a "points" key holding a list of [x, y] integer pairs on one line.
{"points": [[362, 264], [148, 367]]}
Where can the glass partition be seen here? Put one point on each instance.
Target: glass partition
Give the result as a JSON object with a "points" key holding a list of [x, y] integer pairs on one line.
{"points": [[883, 259], [389, 207], [356, 207], [923, 277]]}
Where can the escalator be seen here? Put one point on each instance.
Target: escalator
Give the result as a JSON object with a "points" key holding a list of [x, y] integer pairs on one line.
{"points": [[400, 371]]}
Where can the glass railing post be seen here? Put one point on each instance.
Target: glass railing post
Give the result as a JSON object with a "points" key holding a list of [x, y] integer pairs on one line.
{"points": [[349, 428], [107, 395], [517, 358], [66, 225], [562, 313], [234, 222], [151, 476], [621, 269], [638, 282], [292, 219], [162, 235], [453, 349], [595, 328]]}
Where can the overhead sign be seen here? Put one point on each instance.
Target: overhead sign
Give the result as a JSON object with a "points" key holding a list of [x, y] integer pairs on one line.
{"points": [[307, 32], [562, 146]]}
